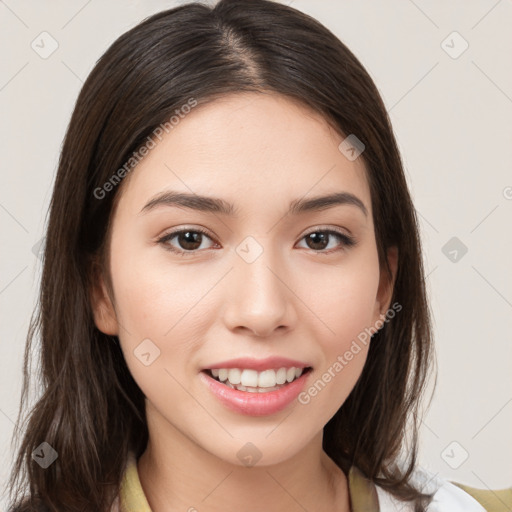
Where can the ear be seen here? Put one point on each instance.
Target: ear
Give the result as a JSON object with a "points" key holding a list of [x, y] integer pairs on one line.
{"points": [[105, 317], [386, 285]]}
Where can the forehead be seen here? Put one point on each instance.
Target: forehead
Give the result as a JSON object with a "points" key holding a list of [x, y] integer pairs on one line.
{"points": [[251, 149]]}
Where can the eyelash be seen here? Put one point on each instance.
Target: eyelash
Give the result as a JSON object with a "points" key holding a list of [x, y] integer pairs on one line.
{"points": [[347, 241]]}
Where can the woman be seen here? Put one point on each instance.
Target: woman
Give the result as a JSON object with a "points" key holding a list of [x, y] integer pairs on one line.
{"points": [[232, 310]]}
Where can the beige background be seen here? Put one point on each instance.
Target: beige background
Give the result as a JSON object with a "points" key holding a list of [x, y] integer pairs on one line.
{"points": [[452, 117]]}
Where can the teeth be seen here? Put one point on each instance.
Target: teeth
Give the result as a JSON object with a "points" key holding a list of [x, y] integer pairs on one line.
{"points": [[281, 376], [251, 389], [249, 378], [253, 381], [234, 376], [267, 379]]}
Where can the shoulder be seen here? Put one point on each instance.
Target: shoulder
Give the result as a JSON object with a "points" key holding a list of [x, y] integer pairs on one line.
{"points": [[493, 500], [448, 497]]}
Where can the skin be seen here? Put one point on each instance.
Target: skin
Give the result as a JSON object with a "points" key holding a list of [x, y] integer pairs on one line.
{"points": [[259, 152]]}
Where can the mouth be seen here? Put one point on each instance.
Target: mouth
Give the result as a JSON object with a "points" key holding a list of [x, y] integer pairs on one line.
{"points": [[252, 393], [253, 381]]}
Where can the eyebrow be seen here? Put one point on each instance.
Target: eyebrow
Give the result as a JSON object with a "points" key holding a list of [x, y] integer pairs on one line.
{"points": [[217, 205]]}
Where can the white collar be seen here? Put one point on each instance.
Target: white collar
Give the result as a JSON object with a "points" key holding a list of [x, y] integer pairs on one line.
{"points": [[447, 498]]}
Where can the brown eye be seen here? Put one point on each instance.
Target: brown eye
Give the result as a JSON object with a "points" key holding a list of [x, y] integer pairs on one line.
{"points": [[187, 240], [319, 240]]}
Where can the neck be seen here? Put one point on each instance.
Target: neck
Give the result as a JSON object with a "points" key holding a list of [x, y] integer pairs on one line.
{"points": [[177, 474]]}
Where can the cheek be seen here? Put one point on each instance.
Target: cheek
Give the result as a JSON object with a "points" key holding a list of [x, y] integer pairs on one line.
{"points": [[160, 312], [154, 298], [343, 300], [163, 332], [343, 297]]}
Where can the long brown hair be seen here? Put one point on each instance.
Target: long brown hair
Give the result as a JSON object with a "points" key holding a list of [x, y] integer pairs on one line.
{"points": [[91, 411]]}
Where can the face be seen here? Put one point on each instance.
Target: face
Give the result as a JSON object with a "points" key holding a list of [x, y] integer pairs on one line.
{"points": [[265, 274]]}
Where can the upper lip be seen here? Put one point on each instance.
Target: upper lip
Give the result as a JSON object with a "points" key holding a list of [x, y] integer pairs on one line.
{"points": [[259, 364]]}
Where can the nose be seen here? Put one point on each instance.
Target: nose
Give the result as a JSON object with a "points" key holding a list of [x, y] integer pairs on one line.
{"points": [[260, 299]]}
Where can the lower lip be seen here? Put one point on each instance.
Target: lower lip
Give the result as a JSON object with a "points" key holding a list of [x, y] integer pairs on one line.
{"points": [[256, 404]]}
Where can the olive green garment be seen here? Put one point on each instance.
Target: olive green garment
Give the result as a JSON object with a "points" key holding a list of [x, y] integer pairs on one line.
{"points": [[492, 500], [363, 494]]}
